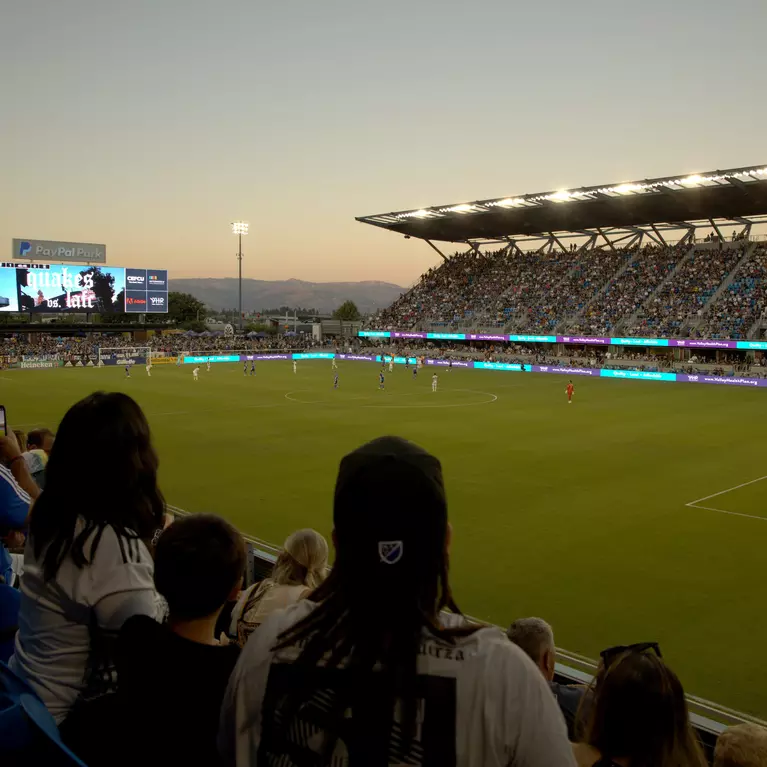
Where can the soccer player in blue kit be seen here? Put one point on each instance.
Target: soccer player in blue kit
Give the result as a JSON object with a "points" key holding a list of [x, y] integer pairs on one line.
{"points": [[381, 380]]}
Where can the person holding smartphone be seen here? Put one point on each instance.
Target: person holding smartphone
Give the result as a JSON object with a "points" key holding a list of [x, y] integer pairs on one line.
{"points": [[17, 491]]}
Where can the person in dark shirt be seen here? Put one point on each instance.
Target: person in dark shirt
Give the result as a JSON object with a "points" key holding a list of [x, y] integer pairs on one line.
{"points": [[172, 676]]}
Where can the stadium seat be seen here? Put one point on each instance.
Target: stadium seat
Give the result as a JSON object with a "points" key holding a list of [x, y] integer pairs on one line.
{"points": [[28, 733]]}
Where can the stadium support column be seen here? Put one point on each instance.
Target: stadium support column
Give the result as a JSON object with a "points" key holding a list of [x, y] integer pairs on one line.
{"points": [[434, 247], [606, 239], [558, 242], [717, 230], [659, 235], [239, 228]]}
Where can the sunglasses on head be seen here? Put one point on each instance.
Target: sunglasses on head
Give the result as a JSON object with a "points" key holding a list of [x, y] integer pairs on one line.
{"points": [[611, 653]]}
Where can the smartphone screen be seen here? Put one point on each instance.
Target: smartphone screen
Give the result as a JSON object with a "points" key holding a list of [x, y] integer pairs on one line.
{"points": [[3, 427]]}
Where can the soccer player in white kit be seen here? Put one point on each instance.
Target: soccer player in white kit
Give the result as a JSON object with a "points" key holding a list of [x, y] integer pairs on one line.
{"points": [[294, 366], [434, 382], [334, 366], [391, 364], [149, 369], [196, 372], [209, 366]]}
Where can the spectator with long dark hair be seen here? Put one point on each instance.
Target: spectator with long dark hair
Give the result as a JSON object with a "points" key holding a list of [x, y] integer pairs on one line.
{"points": [[638, 715], [87, 565], [372, 670]]}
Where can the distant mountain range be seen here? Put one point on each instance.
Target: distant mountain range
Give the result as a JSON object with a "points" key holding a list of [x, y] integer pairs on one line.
{"points": [[265, 294]]}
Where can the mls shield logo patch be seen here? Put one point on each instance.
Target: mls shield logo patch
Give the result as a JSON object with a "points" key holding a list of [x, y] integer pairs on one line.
{"points": [[390, 552]]}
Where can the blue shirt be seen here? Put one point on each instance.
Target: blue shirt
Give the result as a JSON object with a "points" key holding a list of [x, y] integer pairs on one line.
{"points": [[14, 507]]}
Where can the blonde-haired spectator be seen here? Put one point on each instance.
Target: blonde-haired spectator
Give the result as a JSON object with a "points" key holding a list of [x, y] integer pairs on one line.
{"points": [[744, 745], [299, 569]]}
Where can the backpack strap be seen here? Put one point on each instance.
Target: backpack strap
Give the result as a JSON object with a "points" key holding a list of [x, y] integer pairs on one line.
{"points": [[245, 627]]}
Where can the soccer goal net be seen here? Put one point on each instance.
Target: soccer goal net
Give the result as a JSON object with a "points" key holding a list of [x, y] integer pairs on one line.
{"points": [[124, 355]]}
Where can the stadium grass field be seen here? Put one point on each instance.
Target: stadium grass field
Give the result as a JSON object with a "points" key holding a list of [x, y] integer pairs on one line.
{"points": [[576, 513]]}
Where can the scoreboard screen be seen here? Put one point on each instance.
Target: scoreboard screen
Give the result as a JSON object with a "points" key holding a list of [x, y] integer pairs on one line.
{"points": [[43, 288]]}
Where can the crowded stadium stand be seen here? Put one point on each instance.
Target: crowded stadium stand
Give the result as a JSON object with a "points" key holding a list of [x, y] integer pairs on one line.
{"points": [[657, 258]]}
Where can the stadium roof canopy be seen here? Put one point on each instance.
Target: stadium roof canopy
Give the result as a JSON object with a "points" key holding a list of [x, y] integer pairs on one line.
{"points": [[611, 213]]}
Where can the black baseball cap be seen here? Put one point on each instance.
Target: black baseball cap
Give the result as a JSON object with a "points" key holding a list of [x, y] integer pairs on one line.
{"points": [[388, 534]]}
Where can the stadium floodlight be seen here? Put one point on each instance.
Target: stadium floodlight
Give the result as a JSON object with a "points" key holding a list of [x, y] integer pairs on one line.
{"points": [[426, 221], [239, 228], [626, 188], [416, 214]]}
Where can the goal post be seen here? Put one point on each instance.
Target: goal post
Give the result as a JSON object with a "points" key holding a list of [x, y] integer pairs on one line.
{"points": [[124, 355]]}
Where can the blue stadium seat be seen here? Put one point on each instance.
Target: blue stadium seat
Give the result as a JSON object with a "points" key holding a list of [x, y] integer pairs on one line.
{"points": [[28, 733]]}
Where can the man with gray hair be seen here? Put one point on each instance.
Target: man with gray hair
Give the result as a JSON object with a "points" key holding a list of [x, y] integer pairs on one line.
{"points": [[536, 638]]}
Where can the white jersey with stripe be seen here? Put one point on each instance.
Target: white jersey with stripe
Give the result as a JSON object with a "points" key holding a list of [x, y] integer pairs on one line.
{"points": [[481, 703], [67, 626]]}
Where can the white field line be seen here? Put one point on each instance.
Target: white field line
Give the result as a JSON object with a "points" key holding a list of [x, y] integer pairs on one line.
{"points": [[728, 490], [211, 410], [696, 504], [724, 511]]}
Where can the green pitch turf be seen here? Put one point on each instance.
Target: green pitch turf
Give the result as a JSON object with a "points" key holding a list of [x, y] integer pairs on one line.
{"points": [[576, 513]]}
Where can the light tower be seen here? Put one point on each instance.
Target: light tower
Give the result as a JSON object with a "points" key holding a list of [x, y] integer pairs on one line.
{"points": [[239, 228]]}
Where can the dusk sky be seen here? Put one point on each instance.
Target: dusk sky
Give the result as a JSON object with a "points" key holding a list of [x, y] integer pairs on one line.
{"points": [[150, 125]]}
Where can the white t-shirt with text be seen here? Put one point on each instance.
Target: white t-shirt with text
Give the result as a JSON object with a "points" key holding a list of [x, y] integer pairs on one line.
{"points": [[481, 703]]}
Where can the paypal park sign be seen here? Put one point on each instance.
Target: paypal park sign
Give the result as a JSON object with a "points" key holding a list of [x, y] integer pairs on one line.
{"points": [[33, 251]]}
